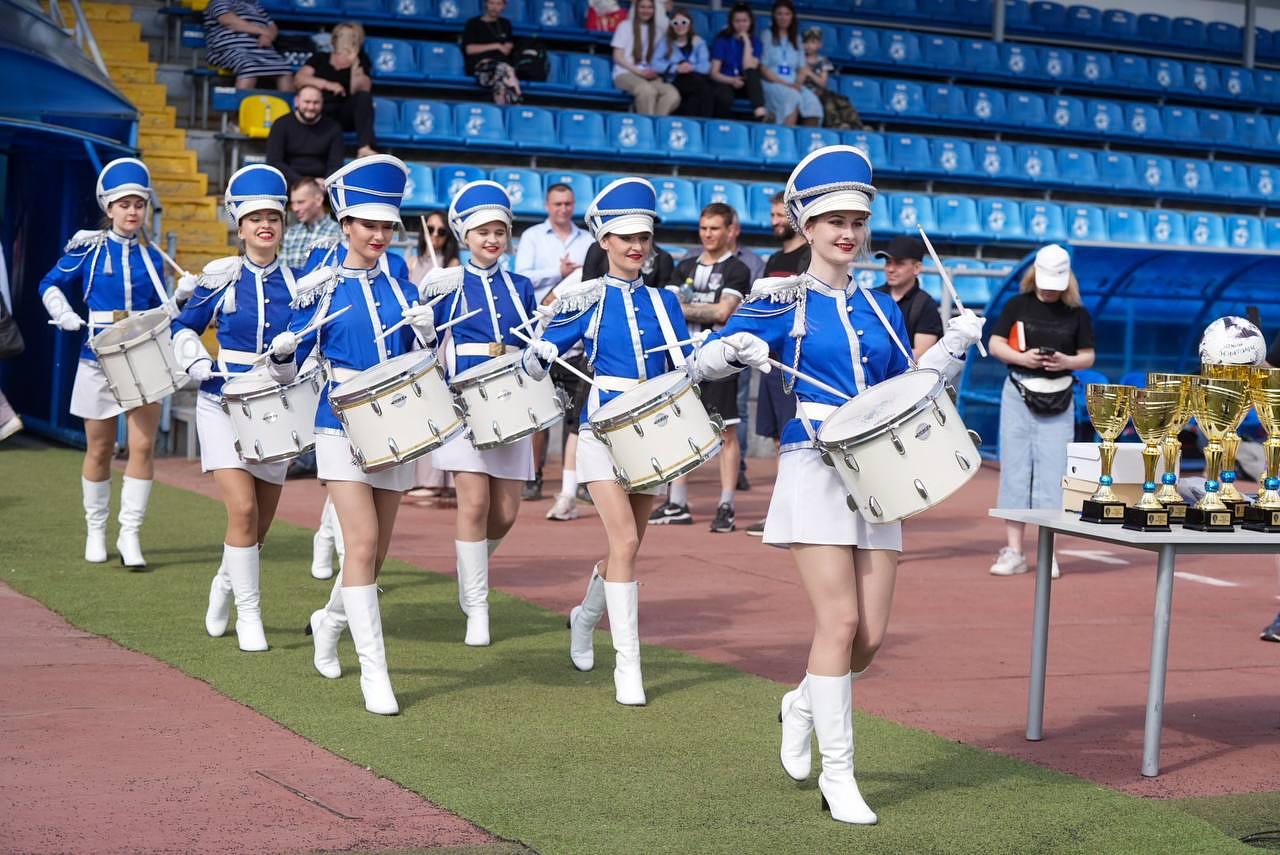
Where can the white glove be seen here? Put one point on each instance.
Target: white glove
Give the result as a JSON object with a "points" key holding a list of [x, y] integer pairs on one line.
{"points": [[422, 319], [69, 321], [537, 358], [186, 287], [200, 370], [748, 350], [283, 346], [963, 331], [55, 303], [545, 350], [546, 312]]}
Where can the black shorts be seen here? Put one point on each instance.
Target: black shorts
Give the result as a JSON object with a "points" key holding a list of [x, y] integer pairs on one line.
{"points": [[574, 390], [774, 408], [721, 397]]}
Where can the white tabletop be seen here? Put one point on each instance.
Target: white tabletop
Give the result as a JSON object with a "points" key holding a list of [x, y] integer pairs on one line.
{"points": [[1184, 541]]}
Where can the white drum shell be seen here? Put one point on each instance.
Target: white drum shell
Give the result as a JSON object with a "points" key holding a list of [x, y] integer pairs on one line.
{"points": [[907, 464], [273, 422], [503, 404], [657, 431], [391, 419], [137, 359]]}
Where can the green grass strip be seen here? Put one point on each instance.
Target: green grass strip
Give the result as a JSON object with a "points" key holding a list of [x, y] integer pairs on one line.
{"points": [[516, 741]]}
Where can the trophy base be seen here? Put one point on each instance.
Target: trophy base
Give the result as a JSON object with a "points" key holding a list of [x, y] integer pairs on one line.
{"points": [[1201, 520], [1107, 513], [1262, 519], [1237, 509], [1177, 512], [1141, 519]]}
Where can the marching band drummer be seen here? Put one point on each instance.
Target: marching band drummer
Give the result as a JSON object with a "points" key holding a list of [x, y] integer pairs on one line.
{"points": [[828, 328], [618, 319], [366, 196], [116, 276], [488, 482], [247, 298]]}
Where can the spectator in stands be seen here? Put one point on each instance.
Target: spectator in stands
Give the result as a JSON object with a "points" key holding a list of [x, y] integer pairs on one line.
{"points": [[784, 71], [343, 76], [239, 35], [604, 16], [684, 60], [554, 248], [903, 261], [487, 46], [735, 64], [312, 222], [1043, 334], [443, 250], [837, 111], [634, 44], [306, 143]]}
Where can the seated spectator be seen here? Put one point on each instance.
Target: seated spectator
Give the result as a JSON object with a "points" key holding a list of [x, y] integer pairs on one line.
{"points": [[487, 46], [443, 244], [312, 222], [684, 60], [305, 143], [735, 65], [784, 71], [239, 35], [343, 76], [634, 45], [837, 111]]}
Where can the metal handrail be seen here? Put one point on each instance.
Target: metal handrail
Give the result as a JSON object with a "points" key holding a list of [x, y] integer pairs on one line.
{"points": [[81, 33]]}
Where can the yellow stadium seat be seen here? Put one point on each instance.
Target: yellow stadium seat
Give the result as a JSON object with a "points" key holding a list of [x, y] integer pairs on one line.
{"points": [[257, 112]]}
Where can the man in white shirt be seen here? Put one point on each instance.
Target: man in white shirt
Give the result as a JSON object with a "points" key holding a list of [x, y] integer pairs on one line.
{"points": [[552, 250]]}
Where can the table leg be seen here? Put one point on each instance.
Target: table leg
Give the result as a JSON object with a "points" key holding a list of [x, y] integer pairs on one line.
{"points": [[1159, 663], [1040, 636]]}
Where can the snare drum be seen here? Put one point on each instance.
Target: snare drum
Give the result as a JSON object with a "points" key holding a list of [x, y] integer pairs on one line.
{"points": [[657, 431], [273, 422], [137, 358], [397, 410], [502, 403], [900, 447]]}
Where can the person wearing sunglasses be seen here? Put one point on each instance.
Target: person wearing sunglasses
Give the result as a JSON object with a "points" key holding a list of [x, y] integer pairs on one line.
{"points": [[684, 60], [443, 243]]}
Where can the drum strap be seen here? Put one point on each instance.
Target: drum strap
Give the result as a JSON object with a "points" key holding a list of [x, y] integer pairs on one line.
{"points": [[156, 281], [664, 323], [515, 298], [875, 307]]}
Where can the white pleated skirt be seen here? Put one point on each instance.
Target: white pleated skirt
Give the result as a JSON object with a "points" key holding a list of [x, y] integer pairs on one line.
{"points": [[91, 397], [335, 462], [513, 462], [808, 506], [595, 463], [218, 444]]}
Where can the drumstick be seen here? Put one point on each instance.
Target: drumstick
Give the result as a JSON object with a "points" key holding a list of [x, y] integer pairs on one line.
{"points": [[800, 375], [307, 330], [83, 322], [946, 279], [431, 245], [695, 340], [163, 254], [558, 361], [398, 324]]}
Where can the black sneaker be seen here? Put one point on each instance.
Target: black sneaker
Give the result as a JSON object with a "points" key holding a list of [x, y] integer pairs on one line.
{"points": [[743, 484], [1272, 633], [584, 495], [756, 529], [532, 490], [671, 514], [724, 518]]}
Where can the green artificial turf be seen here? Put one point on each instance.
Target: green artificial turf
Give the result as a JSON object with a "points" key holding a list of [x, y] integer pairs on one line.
{"points": [[516, 741]]}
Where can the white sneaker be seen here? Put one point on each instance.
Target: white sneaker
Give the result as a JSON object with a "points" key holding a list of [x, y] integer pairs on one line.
{"points": [[1009, 562], [564, 509]]}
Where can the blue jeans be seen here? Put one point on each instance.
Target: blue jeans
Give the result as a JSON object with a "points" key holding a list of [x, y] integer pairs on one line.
{"points": [[744, 405], [1033, 453]]}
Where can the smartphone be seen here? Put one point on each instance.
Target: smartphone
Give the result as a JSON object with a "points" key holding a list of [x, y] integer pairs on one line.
{"points": [[1046, 351]]}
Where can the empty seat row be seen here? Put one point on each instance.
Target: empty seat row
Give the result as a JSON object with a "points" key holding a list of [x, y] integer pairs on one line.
{"points": [[550, 15]]}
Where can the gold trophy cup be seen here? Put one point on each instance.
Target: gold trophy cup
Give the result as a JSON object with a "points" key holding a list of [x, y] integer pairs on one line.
{"points": [[1218, 405], [1108, 405], [1167, 494], [1155, 415], [1231, 497], [1264, 391]]}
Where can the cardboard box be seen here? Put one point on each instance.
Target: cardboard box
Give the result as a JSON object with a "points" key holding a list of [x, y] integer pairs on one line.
{"points": [[1084, 465]]}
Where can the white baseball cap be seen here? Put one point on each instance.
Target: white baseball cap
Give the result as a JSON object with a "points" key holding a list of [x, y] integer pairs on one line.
{"points": [[1053, 268]]}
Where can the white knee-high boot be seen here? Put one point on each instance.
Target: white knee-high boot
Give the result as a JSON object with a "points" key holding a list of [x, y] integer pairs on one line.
{"points": [[832, 701], [219, 612], [325, 628], [622, 600], [97, 507], [243, 569], [133, 509], [582, 622], [796, 717], [323, 543], [473, 589], [366, 630]]}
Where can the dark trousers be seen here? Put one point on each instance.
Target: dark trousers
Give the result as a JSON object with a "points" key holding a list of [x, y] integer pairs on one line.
{"points": [[354, 113], [724, 94], [696, 96]]}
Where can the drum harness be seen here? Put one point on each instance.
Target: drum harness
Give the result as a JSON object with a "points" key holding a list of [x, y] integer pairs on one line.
{"points": [[488, 349], [104, 318], [227, 306]]}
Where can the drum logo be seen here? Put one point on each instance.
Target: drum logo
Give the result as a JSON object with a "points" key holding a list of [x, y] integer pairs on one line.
{"points": [[660, 419], [271, 417], [504, 394], [923, 430], [398, 400]]}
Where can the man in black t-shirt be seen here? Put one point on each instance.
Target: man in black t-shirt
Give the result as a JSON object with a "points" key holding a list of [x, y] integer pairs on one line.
{"points": [[343, 76], [305, 143], [902, 264]]}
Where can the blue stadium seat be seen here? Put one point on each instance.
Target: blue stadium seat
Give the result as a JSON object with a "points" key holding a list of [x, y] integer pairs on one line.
{"points": [[1042, 222], [774, 144], [1017, 15], [1264, 43], [420, 189], [1154, 29], [1026, 108], [1049, 17], [1193, 176], [1266, 85], [957, 217], [1180, 123], [871, 144], [1155, 174], [941, 52], [1167, 228], [909, 153], [730, 193], [728, 141], [456, 11], [429, 121], [677, 201], [857, 43], [553, 15], [938, 10], [517, 12], [702, 26], [524, 188], [1001, 219], [760, 204], [1078, 166], [1271, 229], [1200, 79], [583, 188], [1188, 33], [1243, 232], [1020, 60], [482, 125], [980, 56], [386, 120], [582, 130], [1264, 183], [1217, 127], [1104, 117], [1083, 22], [449, 179], [1057, 64], [1224, 38], [410, 9], [899, 48], [903, 98], [1136, 71], [1143, 121], [1093, 67], [632, 134], [329, 7], [811, 139], [908, 210], [974, 291], [394, 59], [880, 215], [864, 93], [1037, 163], [943, 101], [365, 9], [441, 62], [1253, 131], [1066, 114], [582, 71], [952, 157], [535, 127], [988, 105], [1237, 82], [681, 138], [1119, 26], [1167, 74], [995, 161], [1085, 222], [1206, 230], [1126, 225], [1117, 170]]}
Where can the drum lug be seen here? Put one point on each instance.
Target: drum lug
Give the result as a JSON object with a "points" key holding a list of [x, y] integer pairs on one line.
{"points": [[484, 396], [284, 398], [417, 389], [622, 480], [358, 455], [977, 440], [519, 379], [852, 505], [431, 426], [315, 385], [377, 408], [850, 462], [395, 449], [939, 415], [561, 401], [226, 411], [342, 416], [697, 390], [897, 443], [297, 441], [874, 506], [639, 429], [717, 421], [244, 408], [675, 408], [657, 467], [826, 458], [239, 452], [924, 494], [257, 449], [533, 418], [460, 408], [497, 431], [965, 465], [697, 452], [603, 437]]}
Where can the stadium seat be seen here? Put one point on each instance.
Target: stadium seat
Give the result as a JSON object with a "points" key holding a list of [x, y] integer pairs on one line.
{"points": [[909, 153], [1143, 121], [482, 125], [1085, 223], [880, 215], [681, 138], [1188, 33], [1264, 43], [957, 217], [995, 161], [1216, 127], [1165, 73], [759, 211], [677, 202], [974, 290], [1193, 176], [581, 130], [533, 127], [583, 188], [552, 15], [1264, 183], [908, 210], [1154, 29], [944, 101], [1224, 38], [394, 59], [1266, 85], [450, 179], [1272, 232], [328, 7], [728, 141], [865, 94], [441, 62], [632, 134], [1119, 26], [1027, 109], [1104, 117], [1017, 15], [1077, 166], [858, 43], [1057, 64], [1155, 174], [1243, 232], [429, 121], [1136, 71], [899, 48], [1037, 163], [258, 112], [1042, 222], [410, 9], [1200, 79], [387, 124], [1020, 60], [988, 105], [1001, 219], [811, 139], [942, 52], [1126, 225], [1084, 22], [524, 188], [456, 11], [1049, 17], [774, 144], [1117, 170], [980, 56], [727, 192], [1180, 123], [1167, 228], [1253, 131], [903, 98], [831, 46], [1066, 114], [581, 71], [1093, 67], [1205, 230], [420, 189], [938, 10], [1238, 83], [952, 157], [871, 144]]}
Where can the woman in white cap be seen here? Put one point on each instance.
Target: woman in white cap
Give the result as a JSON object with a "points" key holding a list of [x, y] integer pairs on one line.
{"points": [[247, 298], [488, 482], [116, 276], [829, 328], [1043, 334], [365, 196], [624, 327]]}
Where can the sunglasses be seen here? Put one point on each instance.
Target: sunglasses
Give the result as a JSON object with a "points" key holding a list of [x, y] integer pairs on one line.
{"points": [[435, 230], [679, 22]]}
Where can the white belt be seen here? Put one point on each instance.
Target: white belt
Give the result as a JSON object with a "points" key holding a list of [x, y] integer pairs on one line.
{"points": [[492, 348], [109, 317], [816, 412], [239, 357], [615, 384], [342, 375]]}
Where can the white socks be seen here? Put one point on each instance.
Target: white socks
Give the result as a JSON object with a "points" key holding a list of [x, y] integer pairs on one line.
{"points": [[133, 508], [569, 482], [679, 493], [726, 497], [473, 587], [97, 507]]}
